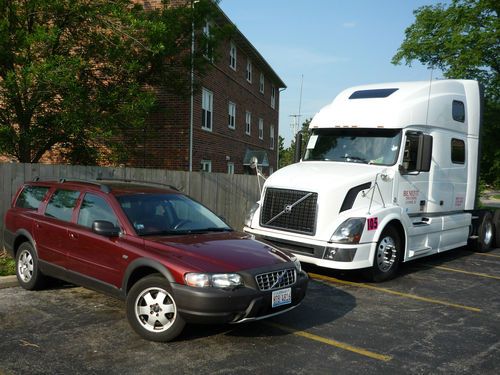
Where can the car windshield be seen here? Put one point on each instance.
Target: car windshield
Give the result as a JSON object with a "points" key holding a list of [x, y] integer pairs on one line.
{"points": [[169, 214], [369, 146]]}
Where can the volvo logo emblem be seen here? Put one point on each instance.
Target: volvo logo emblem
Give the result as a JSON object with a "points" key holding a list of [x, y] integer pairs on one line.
{"points": [[288, 209]]}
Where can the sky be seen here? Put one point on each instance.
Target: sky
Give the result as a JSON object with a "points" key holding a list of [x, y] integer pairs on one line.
{"points": [[326, 46]]}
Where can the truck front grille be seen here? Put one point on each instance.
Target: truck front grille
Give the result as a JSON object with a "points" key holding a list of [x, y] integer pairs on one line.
{"points": [[276, 279], [290, 210]]}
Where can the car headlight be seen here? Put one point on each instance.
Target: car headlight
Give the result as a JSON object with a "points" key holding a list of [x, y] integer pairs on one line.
{"points": [[296, 262], [349, 231], [218, 280], [250, 214]]}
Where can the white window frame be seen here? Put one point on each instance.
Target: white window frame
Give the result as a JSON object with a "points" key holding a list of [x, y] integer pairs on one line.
{"points": [[230, 167], [261, 128], [206, 166], [207, 105], [248, 122], [272, 137], [273, 97], [249, 70], [231, 111], [261, 83], [233, 56]]}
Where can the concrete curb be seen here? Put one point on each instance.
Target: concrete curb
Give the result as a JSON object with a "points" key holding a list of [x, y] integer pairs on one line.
{"points": [[8, 282]]}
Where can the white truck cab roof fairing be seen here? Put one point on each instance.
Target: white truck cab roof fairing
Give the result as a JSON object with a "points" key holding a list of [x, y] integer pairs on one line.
{"points": [[401, 104]]}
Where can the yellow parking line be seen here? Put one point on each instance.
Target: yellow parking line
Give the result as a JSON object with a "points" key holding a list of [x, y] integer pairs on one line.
{"points": [[337, 344], [465, 272], [488, 255], [389, 291]]}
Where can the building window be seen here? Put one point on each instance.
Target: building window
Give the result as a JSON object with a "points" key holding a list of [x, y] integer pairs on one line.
{"points": [[273, 97], [249, 71], [261, 83], [271, 136], [248, 122], [206, 166], [457, 151], [207, 36], [233, 52], [231, 115], [207, 104], [230, 168], [261, 129]]}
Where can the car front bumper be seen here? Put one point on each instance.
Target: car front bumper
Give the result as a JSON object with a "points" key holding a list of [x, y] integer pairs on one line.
{"points": [[218, 306]]}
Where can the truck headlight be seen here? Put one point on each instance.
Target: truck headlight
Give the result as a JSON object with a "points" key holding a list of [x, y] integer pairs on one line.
{"points": [[349, 231], [218, 280], [250, 214]]}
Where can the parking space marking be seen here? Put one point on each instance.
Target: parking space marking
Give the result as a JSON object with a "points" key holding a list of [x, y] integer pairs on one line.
{"points": [[464, 271], [488, 255], [389, 291], [335, 343]]}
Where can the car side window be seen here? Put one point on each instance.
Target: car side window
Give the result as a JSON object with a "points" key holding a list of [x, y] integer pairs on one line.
{"points": [[95, 208], [61, 204], [31, 197]]}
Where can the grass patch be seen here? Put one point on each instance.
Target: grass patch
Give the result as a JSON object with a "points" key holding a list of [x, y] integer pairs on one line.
{"points": [[496, 196], [7, 264]]}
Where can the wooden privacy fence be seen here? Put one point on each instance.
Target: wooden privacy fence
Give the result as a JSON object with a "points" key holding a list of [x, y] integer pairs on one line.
{"points": [[229, 196]]}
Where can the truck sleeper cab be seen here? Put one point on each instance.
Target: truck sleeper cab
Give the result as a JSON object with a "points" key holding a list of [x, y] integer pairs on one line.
{"points": [[389, 175]]}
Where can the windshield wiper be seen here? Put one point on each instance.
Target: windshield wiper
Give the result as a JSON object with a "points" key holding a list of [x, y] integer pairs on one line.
{"points": [[212, 229]]}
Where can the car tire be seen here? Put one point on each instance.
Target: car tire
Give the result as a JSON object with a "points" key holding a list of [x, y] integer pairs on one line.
{"points": [[152, 311], [496, 223], [387, 256], [485, 232], [28, 273]]}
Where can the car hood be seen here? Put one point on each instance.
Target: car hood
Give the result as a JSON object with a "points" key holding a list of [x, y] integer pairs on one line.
{"points": [[219, 252]]}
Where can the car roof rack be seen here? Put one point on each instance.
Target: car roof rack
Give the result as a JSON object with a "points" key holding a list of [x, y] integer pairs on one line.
{"points": [[104, 188], [138, 182]]}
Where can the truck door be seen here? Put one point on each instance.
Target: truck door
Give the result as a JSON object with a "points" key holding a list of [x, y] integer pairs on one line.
{"points": [[413, 187]]}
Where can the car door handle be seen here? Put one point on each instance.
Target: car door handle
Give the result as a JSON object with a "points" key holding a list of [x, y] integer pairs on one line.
{"points": [[73, 236]]}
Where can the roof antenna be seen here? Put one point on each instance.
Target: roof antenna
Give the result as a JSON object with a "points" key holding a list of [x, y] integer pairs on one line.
{"points": [[429, 97]]}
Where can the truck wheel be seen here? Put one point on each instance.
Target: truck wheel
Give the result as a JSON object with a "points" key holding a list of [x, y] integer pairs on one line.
{"points": [[152, 311], [496, 223], [387, 256], [27, 271], [485, 232]]}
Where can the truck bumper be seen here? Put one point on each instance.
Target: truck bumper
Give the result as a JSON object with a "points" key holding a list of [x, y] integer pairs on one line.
{"points": [[322, 253]]}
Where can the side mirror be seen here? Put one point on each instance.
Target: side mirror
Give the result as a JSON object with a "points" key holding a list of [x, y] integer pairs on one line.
{"points": [[105, 228]]}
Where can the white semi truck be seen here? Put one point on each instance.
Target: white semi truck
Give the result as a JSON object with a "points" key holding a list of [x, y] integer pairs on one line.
{"points": [[390, 174]]}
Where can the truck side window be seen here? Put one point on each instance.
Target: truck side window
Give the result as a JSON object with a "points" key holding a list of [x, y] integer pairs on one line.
{"points": [[458, 111], [61, 204], [410, 155], [31, 197], [457, 151]]}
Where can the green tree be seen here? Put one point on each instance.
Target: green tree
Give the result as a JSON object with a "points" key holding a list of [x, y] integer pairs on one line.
{"points": [[78, 73], [287, 155], [463, 40]]}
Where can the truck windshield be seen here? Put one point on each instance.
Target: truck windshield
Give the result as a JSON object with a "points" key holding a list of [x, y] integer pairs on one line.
{"points": [[369, 146]]}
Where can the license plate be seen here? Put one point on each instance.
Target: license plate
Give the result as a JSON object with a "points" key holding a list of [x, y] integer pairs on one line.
{"points": [[282, 297]]}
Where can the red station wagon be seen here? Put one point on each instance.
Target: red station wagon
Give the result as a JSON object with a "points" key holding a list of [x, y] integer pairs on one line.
{"points": [[172, 259]]}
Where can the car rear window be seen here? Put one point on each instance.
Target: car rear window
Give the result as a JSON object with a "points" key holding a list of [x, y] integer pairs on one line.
{"points": [[61, 204], [31, 197]]}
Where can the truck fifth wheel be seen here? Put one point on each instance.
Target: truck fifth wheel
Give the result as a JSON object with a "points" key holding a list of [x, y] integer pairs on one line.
{"points": [[390, 174]]}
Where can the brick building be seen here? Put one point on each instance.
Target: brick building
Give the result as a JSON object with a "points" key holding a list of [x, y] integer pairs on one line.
{"points": [[234, 115]]}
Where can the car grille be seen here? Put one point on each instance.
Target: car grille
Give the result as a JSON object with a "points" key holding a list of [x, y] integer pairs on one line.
{"points": [[276, 279], [290, 210]]}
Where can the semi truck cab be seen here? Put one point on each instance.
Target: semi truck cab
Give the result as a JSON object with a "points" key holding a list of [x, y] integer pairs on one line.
{"points": [[389, 174]]}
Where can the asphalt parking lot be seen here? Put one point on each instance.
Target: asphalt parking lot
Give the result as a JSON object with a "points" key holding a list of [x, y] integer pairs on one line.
{"points": [[441, 315]]}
